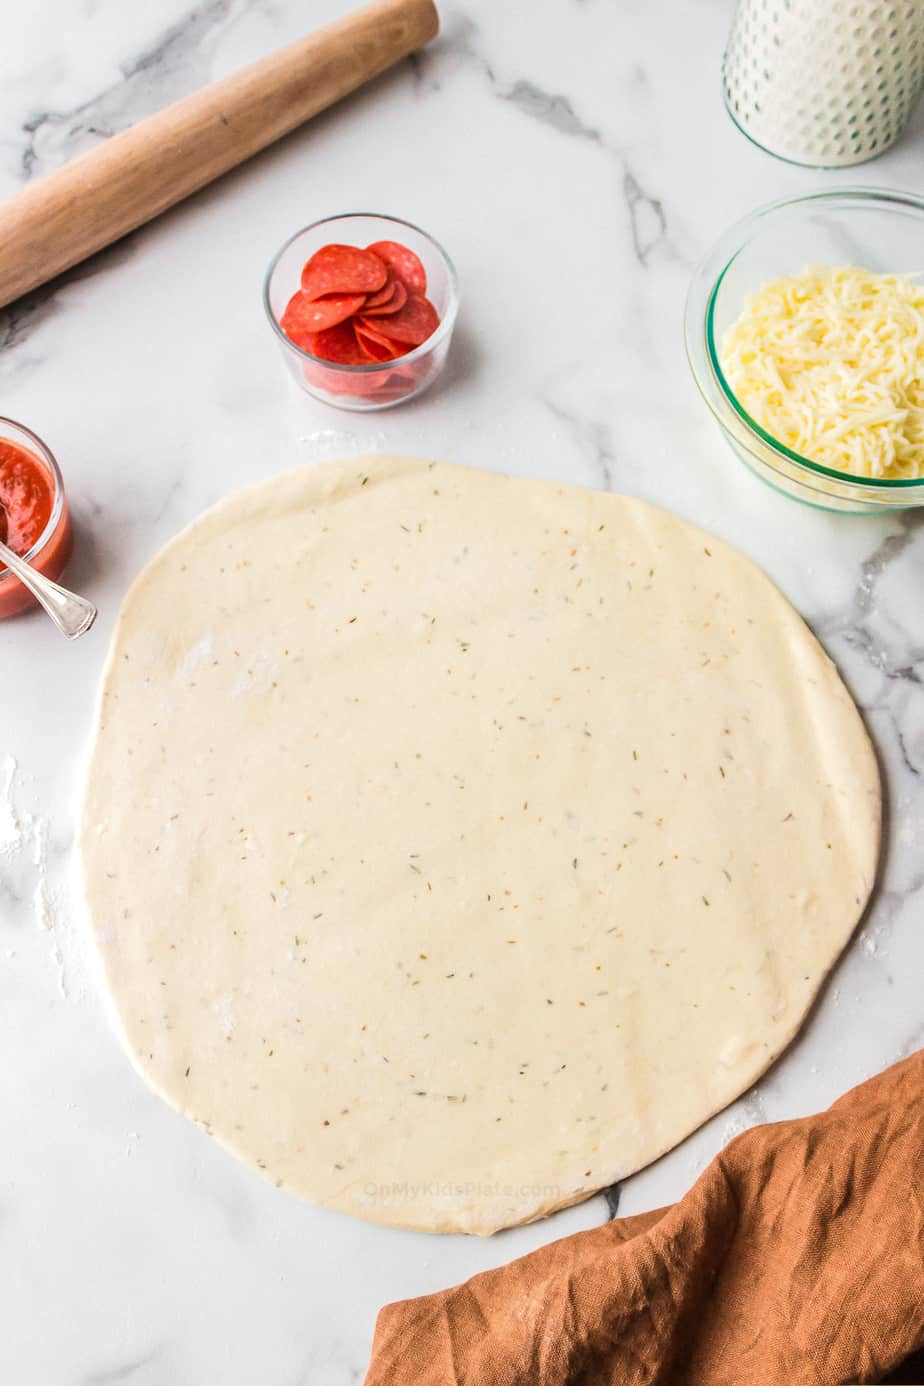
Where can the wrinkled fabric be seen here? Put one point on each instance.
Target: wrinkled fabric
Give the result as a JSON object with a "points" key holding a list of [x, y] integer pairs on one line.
{"points": [[797, 1256]]}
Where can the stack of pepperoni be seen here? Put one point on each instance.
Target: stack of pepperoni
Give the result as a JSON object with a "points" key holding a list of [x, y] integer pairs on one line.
{"points": [[361, 307]]}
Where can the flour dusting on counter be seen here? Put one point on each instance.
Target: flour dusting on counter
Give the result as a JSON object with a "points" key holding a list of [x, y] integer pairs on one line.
{"points": [[33, 872], [10, 826], [327, 444]]}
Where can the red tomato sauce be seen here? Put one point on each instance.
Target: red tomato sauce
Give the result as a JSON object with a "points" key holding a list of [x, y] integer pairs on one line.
{"points": [[27, 503], [26, 495]]}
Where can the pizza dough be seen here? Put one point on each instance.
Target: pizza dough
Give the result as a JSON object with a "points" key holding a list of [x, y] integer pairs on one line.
{"points": [[457, 844]]}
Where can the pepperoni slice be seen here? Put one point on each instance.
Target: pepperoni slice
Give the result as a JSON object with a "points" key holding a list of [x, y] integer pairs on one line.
{"points": [[304, 315], [332, 382], [413, 324], [337, 344], [370, 331], [376, 348], [343, 269], [395, 385], [406, 265], [392, 305], [382, 295]]}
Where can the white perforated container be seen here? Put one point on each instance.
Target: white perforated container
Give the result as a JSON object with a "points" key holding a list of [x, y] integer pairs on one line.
{"points": [[824, 82]]}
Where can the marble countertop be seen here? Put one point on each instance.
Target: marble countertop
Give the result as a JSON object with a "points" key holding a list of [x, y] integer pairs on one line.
{"points": [[584, 144]]}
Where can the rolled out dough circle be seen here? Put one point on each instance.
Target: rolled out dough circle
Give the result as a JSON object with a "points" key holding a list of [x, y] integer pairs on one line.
{"points": [[456, 844]]}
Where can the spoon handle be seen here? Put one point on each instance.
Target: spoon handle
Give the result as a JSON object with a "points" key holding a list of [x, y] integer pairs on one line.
{"points": [[72, 615]]}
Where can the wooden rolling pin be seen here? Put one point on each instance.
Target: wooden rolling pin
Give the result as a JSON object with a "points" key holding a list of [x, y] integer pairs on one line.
{"points": [[71, 213]]}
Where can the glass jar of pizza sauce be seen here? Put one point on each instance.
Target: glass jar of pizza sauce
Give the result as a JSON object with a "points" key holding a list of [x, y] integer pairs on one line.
{"points": [[35, 521]]}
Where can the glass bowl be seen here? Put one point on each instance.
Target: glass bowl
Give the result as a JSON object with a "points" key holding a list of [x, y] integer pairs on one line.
{"points": [[374, 386], [52, 550], [874, 228]]}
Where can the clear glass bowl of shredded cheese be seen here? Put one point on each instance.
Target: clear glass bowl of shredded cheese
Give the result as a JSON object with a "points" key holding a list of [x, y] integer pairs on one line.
{"points": [[805, 333]]}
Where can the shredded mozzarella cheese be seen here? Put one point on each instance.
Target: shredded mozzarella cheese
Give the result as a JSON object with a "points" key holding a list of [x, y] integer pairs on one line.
{"points": [[830, 362]]}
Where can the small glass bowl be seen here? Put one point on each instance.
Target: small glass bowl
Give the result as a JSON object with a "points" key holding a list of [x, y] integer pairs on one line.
{"points": [[374, 386], [51, 552], [874, 228]]}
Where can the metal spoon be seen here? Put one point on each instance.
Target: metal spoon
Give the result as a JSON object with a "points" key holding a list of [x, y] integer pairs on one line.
{"points": [[72, 615]]}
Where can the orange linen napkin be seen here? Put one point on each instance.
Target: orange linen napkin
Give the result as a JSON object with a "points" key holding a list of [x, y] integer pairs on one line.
{"points": [[797, 1259]]}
